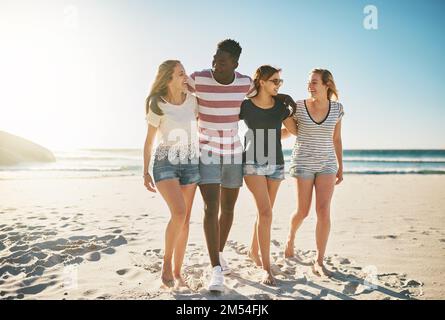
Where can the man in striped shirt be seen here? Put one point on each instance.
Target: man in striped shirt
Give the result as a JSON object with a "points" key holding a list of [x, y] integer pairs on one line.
{"points": [[220, 92]]}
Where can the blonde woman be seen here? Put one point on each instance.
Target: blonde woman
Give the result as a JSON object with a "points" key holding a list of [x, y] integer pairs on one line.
{"points": [[171, 115], [317, 161]]}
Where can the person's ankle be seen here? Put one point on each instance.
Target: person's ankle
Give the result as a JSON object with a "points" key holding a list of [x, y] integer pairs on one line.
{"points": [[167, 264]]}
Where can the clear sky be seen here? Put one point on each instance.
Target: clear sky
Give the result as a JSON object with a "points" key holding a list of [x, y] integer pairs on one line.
{"points": [[76, 73]]}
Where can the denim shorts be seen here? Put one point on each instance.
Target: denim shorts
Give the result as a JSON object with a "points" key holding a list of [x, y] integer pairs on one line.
{"points": [[305, 173], [275, 172], [228, 175], [187, 172]]}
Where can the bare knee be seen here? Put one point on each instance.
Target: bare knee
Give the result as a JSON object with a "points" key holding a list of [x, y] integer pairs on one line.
{"points": [[323, 213], [211, 208], [265, 214], [227, 211], [301, 213], [179, 214]]}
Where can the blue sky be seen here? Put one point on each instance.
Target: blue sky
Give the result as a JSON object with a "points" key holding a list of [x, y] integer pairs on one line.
{"points": [[76, 73]]}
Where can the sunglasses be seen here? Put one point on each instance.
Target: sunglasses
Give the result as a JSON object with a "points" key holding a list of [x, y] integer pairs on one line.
{"points": [[277, 82]]}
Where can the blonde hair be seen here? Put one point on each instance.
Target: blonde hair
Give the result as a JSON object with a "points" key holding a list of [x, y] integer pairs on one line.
{"points": [[328, 79], [160, 86]]}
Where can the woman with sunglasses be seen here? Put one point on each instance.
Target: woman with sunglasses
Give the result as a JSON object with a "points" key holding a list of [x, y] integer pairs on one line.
{"points": [[263, 161]]}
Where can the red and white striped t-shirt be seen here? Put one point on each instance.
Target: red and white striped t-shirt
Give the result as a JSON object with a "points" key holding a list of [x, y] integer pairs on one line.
{"points": [[219, 108]]}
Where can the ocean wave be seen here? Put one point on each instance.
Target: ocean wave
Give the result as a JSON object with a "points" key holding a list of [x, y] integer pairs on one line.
{"points": [[104, 169], [94, 158], [395, 171], [396, 160]]}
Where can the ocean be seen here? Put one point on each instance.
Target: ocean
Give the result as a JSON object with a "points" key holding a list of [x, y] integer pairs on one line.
{"points": [[128, 162]]}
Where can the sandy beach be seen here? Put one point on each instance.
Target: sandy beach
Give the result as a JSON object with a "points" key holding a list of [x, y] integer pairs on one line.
{"points": [[102, 238]]}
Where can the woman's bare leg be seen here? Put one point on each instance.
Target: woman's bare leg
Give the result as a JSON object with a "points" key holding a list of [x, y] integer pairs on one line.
{"points": [[324, 189], [172, 194], [188, 193], [304, 189], [258, 186]]}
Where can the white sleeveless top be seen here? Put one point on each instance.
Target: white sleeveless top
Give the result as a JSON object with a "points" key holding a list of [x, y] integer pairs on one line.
{"points": [[177, 132]]}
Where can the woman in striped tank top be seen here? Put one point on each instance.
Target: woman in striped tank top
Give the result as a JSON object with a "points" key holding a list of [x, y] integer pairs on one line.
{"points": [[317, 159]]}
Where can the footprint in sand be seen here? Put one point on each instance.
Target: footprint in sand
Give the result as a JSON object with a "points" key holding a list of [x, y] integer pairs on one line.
{"points": [[109, 251], [156, 251], [154, 267], [276, 243], [261, 296], [118, 241], [36, 288], [239, 248], [354, 288], [18, 248], [14, 238], [122, 272], [344, 261], [392, 280], [93, 256], [89, 292], [390, 236]]}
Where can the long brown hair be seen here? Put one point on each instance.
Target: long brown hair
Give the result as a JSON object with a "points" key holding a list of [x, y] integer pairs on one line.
{"points": [[328, 80], [265, 72], [160, 86]]}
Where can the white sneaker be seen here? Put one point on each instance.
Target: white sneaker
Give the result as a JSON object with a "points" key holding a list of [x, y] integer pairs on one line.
{"points": [[224, 265], [217, 280]]}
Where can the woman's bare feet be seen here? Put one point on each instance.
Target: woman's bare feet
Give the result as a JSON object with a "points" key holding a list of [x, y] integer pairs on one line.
{"points": [[167, 276], [320, 270], [255, 257], [268, 279], [180, 282], [289, 250]]}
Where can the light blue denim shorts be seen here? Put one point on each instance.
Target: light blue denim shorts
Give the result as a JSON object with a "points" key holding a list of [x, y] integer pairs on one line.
{"points": [[269, 171], [186, 171], [306, 173], [229, 174]]}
